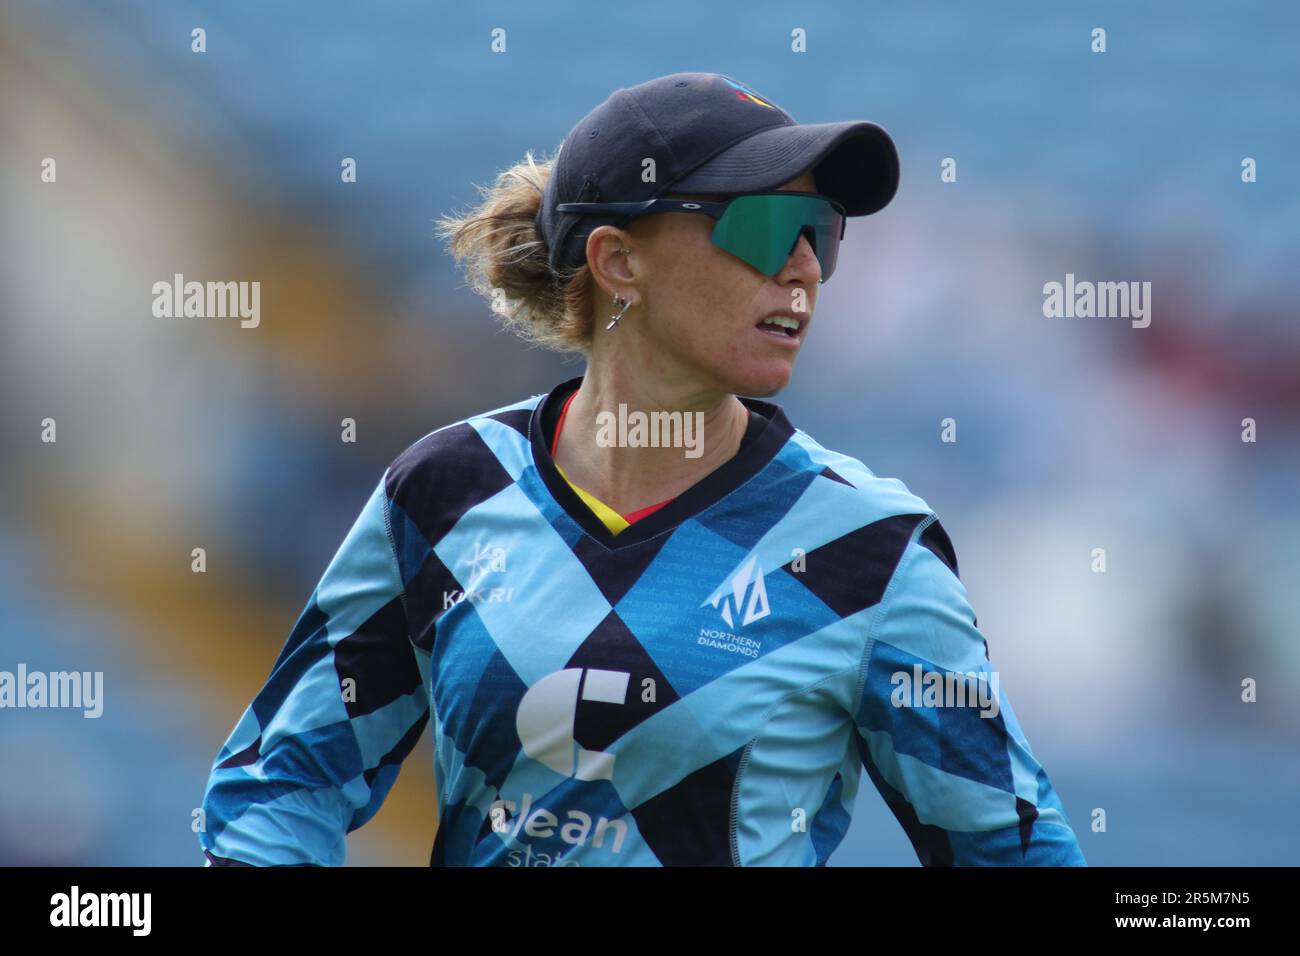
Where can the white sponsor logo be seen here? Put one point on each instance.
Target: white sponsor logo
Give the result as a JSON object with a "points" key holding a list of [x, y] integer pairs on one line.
{"points": [[546, 717], [484, 561], [477, 596], [579, 830], [545, 724]]}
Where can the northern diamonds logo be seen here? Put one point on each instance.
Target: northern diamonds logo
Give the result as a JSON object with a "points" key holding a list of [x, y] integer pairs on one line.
{"points": [[745, 93], [726, 641], [748, 591]]}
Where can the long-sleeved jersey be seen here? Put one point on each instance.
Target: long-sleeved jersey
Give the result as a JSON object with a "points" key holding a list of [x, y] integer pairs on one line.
{"points": [[702, 688]]}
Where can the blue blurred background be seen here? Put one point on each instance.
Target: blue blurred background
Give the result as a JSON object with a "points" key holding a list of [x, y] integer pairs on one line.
{"points": [[1073, 434]]}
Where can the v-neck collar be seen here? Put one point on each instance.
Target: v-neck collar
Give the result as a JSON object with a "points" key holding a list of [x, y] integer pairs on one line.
{"points": [[730, 475]]}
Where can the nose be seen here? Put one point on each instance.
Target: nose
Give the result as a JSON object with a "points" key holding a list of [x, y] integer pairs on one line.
{"points": [[803, 264]]}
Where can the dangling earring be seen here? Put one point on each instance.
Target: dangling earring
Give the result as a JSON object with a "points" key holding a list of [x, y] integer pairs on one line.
{"points": [[619, 300]]}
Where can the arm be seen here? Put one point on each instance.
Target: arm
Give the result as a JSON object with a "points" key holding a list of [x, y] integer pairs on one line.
{"points": [[316, 752], [965, 787]]}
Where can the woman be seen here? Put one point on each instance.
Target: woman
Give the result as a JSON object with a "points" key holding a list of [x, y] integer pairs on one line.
{"points": [[653, 622]]}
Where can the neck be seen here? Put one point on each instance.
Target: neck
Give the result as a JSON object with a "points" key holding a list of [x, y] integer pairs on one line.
{"points": [[629, 476]]}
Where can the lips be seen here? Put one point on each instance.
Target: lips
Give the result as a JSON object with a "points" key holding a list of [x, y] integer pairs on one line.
{"points": [[781, 325]]}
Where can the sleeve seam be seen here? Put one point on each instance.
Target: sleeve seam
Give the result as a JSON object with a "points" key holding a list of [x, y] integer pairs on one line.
{"points": [[392, 552], [886, 606]]}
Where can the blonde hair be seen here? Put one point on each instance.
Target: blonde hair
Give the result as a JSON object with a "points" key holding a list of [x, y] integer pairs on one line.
{"points": [[505, 260]]}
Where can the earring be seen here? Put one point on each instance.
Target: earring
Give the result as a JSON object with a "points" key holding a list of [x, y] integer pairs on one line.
{"points": [[618, 300]]}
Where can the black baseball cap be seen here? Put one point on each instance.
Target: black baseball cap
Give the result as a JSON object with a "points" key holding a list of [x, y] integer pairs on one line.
{"points": [[707, 133]]}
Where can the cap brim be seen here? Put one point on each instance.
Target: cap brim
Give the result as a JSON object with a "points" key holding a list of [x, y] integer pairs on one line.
{"points": [[853, 162]]}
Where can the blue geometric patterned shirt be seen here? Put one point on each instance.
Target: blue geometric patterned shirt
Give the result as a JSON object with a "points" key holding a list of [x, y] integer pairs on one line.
{"points": [[703, 688]]}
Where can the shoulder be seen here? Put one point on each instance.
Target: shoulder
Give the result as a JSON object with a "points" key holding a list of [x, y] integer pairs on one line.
{"points": [[466, 436], [903, 557], [463, 462], [893, 518]]}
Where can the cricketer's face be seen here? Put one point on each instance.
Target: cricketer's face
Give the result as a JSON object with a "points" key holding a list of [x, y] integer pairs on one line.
{"points": [[703, 308]]}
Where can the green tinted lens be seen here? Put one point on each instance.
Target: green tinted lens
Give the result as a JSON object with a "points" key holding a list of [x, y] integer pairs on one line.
{"points": [[763, 230]]}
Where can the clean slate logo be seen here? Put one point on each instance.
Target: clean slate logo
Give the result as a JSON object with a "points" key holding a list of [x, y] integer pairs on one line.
{"points": [[546, 716], [102, 909], [544, 721]]}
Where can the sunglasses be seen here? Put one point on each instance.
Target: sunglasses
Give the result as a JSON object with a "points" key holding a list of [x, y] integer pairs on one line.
{"points": [[762, 229]]}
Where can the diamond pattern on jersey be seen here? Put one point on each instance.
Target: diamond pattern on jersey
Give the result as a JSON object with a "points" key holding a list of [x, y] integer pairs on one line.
{"points": [[873, 550], [937, 540], [956, 739], [616, 571], [611, 693], [689, 824], [668, 608], [749, 512], [612, 647], [443, 476], [476, 694], [829, 472]]}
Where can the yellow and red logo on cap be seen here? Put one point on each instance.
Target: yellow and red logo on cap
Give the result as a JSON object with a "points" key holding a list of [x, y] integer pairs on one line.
{"points": [[745, 93]]}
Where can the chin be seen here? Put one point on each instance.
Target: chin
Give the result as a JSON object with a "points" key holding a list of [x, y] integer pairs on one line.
{"points": [[760, 383]]}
